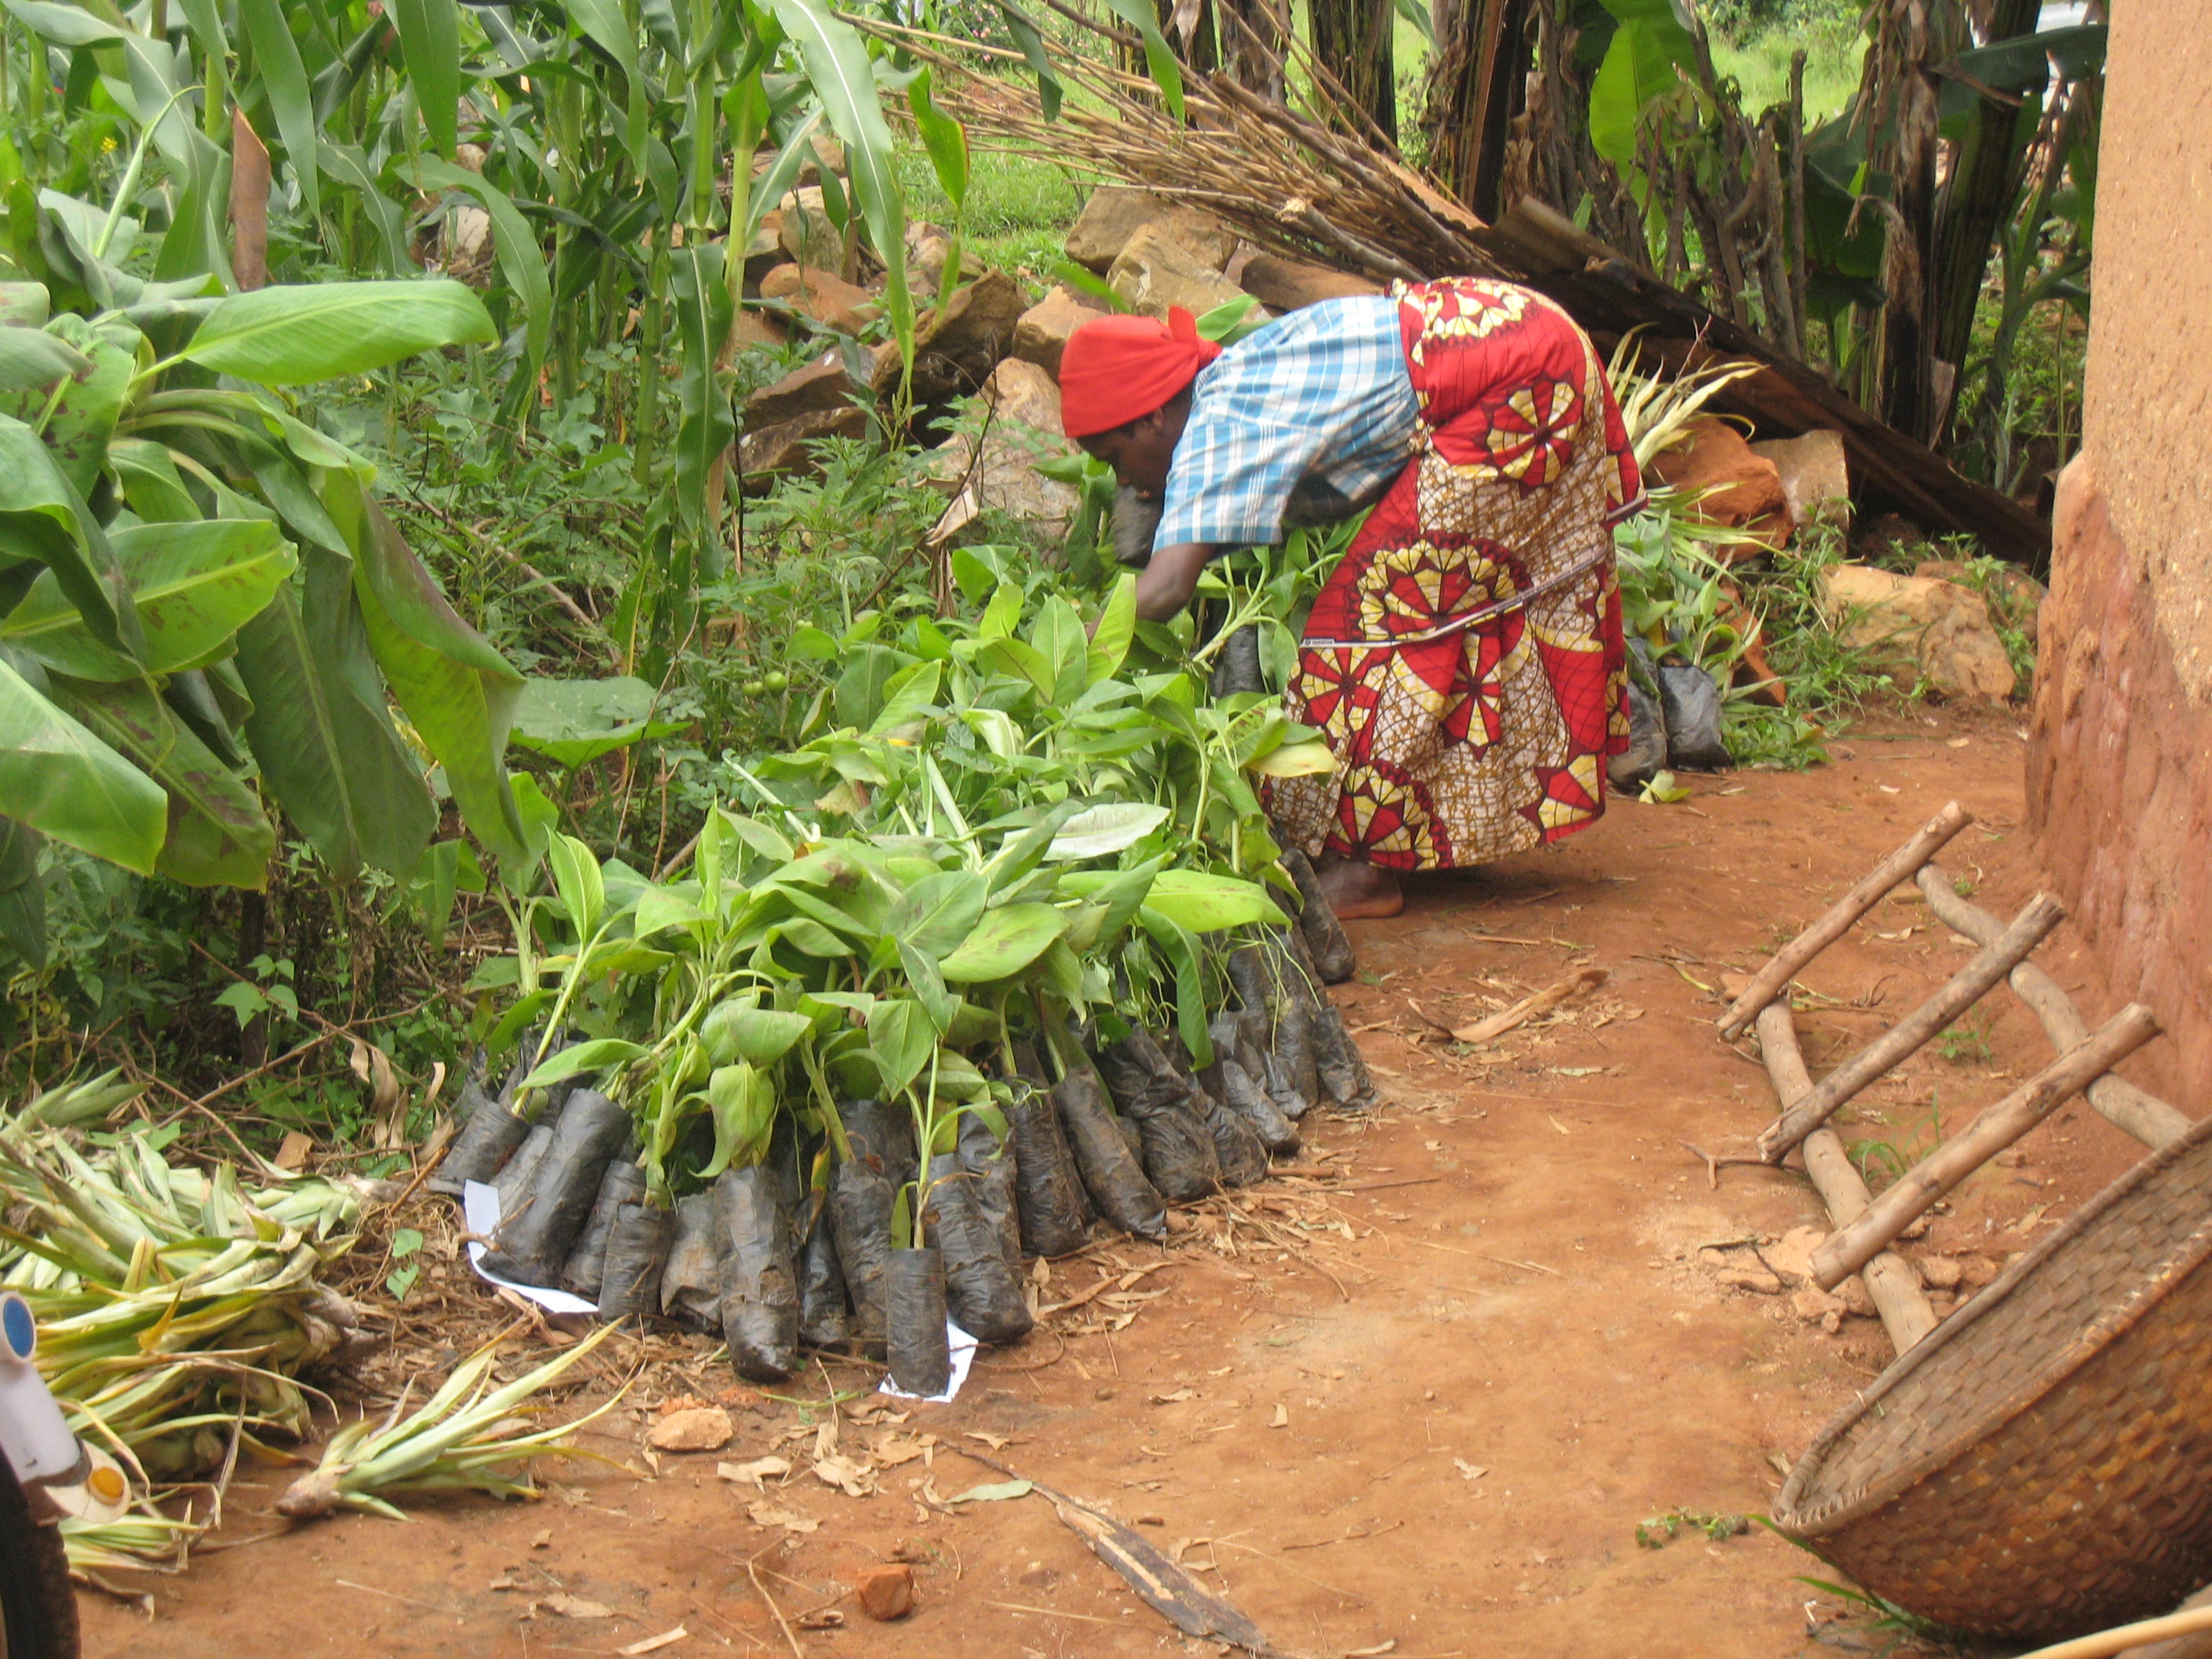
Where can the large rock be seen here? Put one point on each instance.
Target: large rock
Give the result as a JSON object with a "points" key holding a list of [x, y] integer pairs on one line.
{"points": [[928, 247], [1738, 490], [1023, 428], [1041, 332], [2015, 599], [1157, 270], [821, 386], [808, 235], [1116, 213], [1815, 477], [787, 448], [1286, 285], [956, 349], [828, 153], [829, 300], [1918, 628], [756, 328]]}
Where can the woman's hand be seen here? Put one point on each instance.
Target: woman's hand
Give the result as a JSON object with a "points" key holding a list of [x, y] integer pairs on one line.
{"points": [[1164, 586]]}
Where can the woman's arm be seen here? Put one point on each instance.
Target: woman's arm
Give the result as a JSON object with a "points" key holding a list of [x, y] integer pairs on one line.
{"points": [[1165, 586]]}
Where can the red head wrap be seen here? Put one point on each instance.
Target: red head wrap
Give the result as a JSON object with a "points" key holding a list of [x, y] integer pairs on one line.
{"points": [[1118, 369]]}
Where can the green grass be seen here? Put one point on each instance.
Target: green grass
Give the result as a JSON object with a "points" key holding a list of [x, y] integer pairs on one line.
{"points": [[1761, 66], [1019, 208]]}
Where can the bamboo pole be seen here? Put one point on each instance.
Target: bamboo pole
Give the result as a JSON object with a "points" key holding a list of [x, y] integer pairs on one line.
{"points": [[2133, 1111], [1994, 1129], [2127, 1641], [1890, 1280], [1996, 958], [1767, 983]]}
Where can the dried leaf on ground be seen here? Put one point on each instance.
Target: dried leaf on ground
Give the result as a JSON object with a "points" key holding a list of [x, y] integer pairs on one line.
{"points": [[757, 1471], [765, 1514]]}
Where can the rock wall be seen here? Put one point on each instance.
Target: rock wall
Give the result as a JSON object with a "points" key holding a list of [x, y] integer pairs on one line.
{"points": [[2120, 753]]}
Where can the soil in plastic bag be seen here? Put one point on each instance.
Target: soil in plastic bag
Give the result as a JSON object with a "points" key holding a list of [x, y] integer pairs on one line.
{"points": [[982, 1293], [822, 1317], [1230, 1081], [1690, 703], [532, 1246], [622, 1184], [994, 1169], [862, 1190], [637, 1258], [760, 1279], [1267, 983], [1048, 1195], [1237, 1147], [513, 1182], [488, 1134], [1646, 753], [917, 1347], [1178, 1147], [1325, 936], [1111, 1172], [691, 1283], [1237, 668], [1344, 1074]]}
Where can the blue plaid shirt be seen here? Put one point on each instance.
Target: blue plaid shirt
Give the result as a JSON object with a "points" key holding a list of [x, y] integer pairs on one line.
{"points": [[1317, 405]]}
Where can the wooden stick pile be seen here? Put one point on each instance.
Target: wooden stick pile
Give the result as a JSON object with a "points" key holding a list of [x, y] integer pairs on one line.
{"points": [[1865, 1226]]}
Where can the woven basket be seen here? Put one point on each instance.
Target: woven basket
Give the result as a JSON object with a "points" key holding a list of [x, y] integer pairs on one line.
{"points": [[2040, 1466]]}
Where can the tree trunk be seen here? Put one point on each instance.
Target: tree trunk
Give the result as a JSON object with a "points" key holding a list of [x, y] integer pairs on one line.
{"points": [[1252, 38], [1908, 401], [1977, 198], [1352, 40], [1478, 84]]}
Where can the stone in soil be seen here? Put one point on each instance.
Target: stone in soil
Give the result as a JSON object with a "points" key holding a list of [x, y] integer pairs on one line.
{"points": [[886, 1594], [1816, 477], [694, 1429], [1940, 1273], [1919, 626], [1757, 1281], [1024, 429], [1286, 285], [1157, 270], [1813, 1304], [1116, 214], [1745, 489], [829, 300], [955, 348], [820, 387], [1041, 332]]}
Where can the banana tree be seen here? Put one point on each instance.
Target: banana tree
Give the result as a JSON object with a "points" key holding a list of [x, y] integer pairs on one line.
{"points": [[204, 613]]}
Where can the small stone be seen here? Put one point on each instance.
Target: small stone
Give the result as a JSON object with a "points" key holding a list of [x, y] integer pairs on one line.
{"points": [[928, 247], [1041, 332], [1857, 1298], [754, 328], [1815, 476], [1114, 215], [1940, 1273], [695, 1429], [886, 1594], [1975, 1271], [1791, 1254], [1157, 272], [1286, 285], [1757, 1281], [1814, 1305], [1831, 1322], [829, 300]]}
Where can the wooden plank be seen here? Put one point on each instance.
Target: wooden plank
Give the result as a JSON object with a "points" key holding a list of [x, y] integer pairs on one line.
{"points": [[1990, 1134]]}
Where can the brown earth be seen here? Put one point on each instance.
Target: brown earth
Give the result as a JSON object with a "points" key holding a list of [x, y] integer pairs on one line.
{"points": [[1429, 1408]]}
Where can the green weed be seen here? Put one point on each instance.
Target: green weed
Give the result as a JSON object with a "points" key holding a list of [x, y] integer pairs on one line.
{"points": [[1659, 1530]]}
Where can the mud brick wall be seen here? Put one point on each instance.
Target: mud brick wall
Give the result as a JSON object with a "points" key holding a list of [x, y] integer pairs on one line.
{"points": [[2120, 749]]}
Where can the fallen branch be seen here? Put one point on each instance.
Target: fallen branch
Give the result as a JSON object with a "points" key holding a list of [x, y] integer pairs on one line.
{"points": [[1579, 982]]}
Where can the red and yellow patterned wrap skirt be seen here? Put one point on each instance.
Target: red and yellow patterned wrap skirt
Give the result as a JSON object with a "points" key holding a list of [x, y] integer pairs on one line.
{"points": [[1473, 743]]}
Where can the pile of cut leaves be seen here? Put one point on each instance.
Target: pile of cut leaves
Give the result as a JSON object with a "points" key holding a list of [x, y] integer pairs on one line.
{"points": [[1005, 950]]}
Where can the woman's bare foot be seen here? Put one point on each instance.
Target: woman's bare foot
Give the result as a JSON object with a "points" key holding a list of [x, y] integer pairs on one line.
{"points": [[1355, 889]]}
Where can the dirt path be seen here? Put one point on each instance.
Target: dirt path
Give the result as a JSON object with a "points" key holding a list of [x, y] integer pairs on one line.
{"points": [[1429, 1408]]}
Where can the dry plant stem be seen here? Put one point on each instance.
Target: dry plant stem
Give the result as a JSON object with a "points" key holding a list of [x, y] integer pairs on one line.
{"points": [[1890, 1280], [2123, 1638], [1964, 989], [752, 1571], [1997, 1128], [1767, 983], [2133, 1111], [1482, 1031]]}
